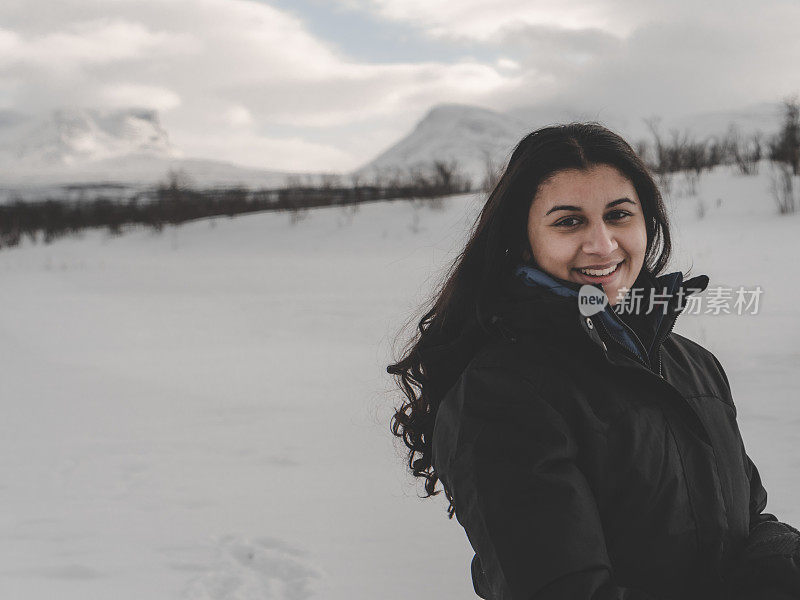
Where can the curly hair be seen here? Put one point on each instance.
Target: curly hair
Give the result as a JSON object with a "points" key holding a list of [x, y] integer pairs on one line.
{"points": [[457, 322]]}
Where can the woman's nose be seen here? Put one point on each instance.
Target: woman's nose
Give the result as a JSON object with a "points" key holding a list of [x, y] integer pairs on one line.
{"points": [[599, 241]]}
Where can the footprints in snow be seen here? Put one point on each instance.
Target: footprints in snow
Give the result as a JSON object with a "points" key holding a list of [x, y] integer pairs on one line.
{"points": [[255, 570]]}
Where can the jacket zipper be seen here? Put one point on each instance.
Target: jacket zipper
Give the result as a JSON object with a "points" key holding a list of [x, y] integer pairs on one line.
{"points": [[623, 347], [656, 344], [632, 332], [659, 342]]}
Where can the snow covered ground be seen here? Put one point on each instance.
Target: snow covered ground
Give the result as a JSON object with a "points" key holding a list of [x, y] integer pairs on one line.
{"points": [[203, 414]]}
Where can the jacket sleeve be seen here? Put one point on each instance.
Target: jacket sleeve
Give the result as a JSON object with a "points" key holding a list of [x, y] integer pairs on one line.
{"points": [[758, 495], [770, 563], [527, 509], [769, 568]]}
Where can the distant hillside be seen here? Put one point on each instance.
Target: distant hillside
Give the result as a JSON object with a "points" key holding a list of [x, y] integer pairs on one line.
{"points": [[74, 147], [72, 136], [466, 134]]}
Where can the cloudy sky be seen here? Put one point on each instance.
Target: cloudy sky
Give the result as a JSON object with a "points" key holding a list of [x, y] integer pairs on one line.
{"points": [[326, 85]]}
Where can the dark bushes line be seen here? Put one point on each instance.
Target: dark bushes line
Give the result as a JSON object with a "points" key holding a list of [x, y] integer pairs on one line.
{"points": [[174, 203], [681, 152]]}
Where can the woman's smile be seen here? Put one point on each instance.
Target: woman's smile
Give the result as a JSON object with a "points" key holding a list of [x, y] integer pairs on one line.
{"points": [[599, 275]]}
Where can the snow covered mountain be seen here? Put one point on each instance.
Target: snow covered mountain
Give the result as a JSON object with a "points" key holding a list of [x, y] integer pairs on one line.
{"points": [[467, 134], [470, 135], [72, 136], [127, 147]]}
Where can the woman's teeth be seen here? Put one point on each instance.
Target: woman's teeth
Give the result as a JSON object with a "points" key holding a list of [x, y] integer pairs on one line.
{"points": [[600, 273]]}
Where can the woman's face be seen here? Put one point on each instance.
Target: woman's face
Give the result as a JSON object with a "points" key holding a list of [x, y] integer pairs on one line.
{"points": [[589, 218]]}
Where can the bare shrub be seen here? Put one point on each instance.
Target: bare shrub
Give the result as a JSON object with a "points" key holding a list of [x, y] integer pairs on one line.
{"points": [[415, 218], [782, 187], [436, 203], [642, 149], [329, 181], [701, 208], [297, 214], [747, 152], [785, 146], [492, 172], [346, 214], [692, 179]]}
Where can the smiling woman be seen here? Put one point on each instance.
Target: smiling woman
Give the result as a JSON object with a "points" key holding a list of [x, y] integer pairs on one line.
{"points": [[586, 457], [590, 239]]}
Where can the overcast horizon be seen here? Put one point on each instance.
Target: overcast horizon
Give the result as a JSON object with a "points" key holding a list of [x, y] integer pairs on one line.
{"points": [[309, 85]]}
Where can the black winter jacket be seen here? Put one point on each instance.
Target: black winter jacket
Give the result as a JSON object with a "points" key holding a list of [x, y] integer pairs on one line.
{"points": [[580, 471]]}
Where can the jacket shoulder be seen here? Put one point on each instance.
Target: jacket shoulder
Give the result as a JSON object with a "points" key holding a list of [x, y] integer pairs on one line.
{"points": [[524, 358], [497, 375], [493, 393], [520, 377]]}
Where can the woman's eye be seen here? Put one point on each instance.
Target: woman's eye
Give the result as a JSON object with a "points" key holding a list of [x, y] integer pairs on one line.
{"points": [[621, 213], [614, 215], [564, 223]]}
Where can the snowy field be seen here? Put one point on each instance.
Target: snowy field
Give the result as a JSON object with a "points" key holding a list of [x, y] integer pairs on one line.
{"points": [[203, 414]]}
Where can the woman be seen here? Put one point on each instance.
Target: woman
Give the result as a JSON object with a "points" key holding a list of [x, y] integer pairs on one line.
{"points": [[585, 456]]}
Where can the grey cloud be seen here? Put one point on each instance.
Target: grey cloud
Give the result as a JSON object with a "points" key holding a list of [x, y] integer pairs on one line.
{"points": [[546, 46], [688, 64]]}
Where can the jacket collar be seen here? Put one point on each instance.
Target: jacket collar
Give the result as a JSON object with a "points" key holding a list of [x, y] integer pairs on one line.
{"points": [[535, 301]]}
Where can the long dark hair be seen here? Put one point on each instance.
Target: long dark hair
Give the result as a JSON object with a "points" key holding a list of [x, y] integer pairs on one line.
{"points": [[457, 321]]}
